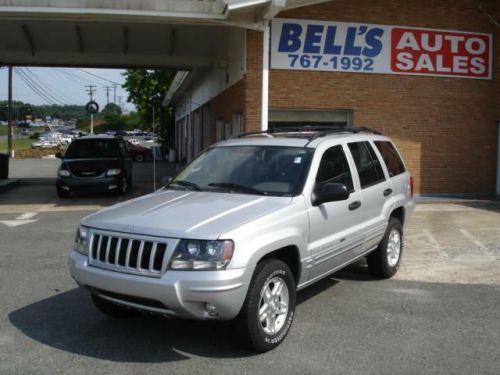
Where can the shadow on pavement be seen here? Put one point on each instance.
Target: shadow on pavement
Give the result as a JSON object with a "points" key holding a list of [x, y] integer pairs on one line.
{"points": [[68, 321]]}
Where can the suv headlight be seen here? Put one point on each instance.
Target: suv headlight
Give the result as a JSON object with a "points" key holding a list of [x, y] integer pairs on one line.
{"points": [[113, 172], [64, 173], [82, 240], [200, 255]]}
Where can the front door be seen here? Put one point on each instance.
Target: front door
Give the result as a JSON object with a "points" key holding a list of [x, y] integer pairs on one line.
{"points": [[335, 227]]}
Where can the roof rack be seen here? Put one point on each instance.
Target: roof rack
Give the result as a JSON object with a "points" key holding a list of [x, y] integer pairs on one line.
{"points": [[316, 131]]}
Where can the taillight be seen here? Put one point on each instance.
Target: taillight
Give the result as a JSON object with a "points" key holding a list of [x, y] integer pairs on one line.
{"points": [[411, 186]]}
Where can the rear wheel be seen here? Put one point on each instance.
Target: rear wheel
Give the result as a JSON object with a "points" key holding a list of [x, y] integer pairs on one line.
{"points": [[269, 309], [139, 157], [111, 309], [384, 262]]}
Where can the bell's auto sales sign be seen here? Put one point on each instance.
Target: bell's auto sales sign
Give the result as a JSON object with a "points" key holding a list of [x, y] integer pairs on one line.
{"points": [[366, 48]]}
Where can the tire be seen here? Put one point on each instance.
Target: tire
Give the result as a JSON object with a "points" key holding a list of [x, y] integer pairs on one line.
{"points": [[61, 193], [123, 186], [380, 262], [258, 334], [112, 310], [139, 157]]}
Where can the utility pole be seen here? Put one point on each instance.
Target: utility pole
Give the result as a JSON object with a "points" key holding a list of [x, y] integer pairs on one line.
{"points": [[115, 85], [91, 90], [9, 116], [107, 88], [120, 101]]}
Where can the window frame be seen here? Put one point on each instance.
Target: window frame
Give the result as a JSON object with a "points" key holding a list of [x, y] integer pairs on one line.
{"points": [[377, 156], [348, 164], [405, 169]]}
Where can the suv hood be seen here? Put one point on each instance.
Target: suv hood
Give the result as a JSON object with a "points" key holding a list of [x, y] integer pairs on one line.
{"points": [[185, 214]]}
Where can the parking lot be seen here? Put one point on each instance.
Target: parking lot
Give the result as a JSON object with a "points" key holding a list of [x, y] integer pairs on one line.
{"points": [[438, 315]]}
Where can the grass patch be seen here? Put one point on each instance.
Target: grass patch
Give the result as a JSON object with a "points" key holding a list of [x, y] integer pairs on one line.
{"points": [[17, 144]]}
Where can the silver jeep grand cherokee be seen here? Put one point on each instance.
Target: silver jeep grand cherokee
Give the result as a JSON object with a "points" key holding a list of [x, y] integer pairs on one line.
{"points": [[245, 225]]}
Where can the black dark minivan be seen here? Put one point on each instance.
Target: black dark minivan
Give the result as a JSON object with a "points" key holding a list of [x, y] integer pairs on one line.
{"points": [[95, 164]]}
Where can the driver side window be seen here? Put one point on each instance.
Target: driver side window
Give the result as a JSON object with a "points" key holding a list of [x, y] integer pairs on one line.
{"points": [[334, 168]]}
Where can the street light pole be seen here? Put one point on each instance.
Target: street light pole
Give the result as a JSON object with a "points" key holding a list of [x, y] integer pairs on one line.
{"points": [[9, 116]]}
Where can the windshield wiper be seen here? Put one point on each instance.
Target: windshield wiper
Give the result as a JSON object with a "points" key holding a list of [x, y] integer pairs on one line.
{"points": [[186, 184], [236, 187]]}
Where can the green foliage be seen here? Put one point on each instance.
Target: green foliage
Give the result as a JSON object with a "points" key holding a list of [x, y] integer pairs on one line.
{"points": [[20, 110], [147, 89]]}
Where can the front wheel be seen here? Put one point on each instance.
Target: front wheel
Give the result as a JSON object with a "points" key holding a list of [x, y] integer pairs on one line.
{"points": [[384, 262], [269, 308]]}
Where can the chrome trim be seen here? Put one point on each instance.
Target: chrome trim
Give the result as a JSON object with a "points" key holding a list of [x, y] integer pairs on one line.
{"points": [[114, 264]]}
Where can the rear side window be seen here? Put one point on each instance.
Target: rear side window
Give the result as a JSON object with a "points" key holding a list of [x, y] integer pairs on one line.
{"points": [[334, 168], [391, 158], [369, 169]]}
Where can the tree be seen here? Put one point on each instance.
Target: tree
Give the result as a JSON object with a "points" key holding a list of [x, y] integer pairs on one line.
{"points": [[147, 89]]}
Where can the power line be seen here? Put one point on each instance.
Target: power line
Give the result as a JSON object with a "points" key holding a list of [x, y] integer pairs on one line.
{"points": [[39, 83], [97, 76], [37, 91]]}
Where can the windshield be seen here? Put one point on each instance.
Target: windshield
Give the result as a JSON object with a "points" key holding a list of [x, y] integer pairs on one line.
{"points": [[93, 149], [261, 170]]}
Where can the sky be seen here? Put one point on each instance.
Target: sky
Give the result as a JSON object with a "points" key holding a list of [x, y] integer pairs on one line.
{"points": [[63, 85]]}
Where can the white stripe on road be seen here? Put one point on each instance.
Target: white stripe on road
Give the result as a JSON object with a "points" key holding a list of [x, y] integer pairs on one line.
{"points": [[27, 216], [478, 243], [434, 243]]}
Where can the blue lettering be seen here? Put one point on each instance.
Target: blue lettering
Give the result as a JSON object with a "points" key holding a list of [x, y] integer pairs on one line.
{"points": [[290, 38], [374, 43], [350, 48], [330, 47], [313, 38]]}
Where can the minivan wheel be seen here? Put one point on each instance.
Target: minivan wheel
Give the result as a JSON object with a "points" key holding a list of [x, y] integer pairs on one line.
{"points": [[61, 193], [123, 187], [384, 262], [269, 308], [111, 309]]}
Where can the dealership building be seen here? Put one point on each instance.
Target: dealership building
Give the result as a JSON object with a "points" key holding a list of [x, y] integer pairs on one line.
{"points": [[425, 73]]}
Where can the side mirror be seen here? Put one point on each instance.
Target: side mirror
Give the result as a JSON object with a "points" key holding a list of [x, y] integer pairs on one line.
{"points": [[331, 192], [59, 155]]}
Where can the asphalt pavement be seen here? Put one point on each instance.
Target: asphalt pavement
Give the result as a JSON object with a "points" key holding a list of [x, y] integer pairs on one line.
{"points": [[439, 315]]}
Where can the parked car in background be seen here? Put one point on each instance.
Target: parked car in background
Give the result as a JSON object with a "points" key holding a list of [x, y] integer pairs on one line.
{"points": [[95, 164], [45, 143], [134, 141], [140, 153], [245, 225]]}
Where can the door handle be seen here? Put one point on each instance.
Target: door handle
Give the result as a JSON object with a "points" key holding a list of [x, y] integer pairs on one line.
{"points": [[387, 192], [354, 205]]}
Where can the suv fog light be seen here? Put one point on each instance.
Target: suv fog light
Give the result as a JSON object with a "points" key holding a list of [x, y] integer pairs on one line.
{"points": [[211, 309]]}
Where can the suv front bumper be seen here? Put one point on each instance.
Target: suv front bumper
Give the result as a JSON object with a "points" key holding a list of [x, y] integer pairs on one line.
{"points": [[177, 293]]}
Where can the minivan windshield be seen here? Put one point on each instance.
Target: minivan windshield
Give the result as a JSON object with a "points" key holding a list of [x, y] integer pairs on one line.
{"points": [[260, 170], [93, 149]]}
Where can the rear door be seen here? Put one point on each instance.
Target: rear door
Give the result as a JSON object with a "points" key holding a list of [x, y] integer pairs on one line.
{"points": [[335, 227], [376, 190]]}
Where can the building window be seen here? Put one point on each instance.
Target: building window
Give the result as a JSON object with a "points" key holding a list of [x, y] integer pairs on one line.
{"points": [[219, 130], [206, 126], [237, 123], [292, 118], [227, 130]]}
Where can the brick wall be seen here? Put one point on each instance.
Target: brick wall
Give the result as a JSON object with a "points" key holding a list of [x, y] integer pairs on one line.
{"points": [[445, 127]]}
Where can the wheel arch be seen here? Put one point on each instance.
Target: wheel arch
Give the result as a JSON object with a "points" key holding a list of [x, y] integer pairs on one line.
{"points": [[289, 254]]}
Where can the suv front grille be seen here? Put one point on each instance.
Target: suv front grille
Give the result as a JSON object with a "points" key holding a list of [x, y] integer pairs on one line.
{"points": [[146, 257]]}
